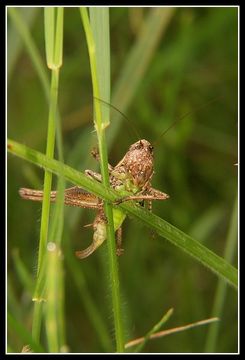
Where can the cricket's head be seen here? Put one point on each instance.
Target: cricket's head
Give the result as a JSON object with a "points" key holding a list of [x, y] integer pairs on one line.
{"points": [[138, 162]]}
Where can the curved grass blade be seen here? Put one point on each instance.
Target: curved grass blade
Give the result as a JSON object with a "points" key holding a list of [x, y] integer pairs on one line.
{"points": [[177, 237]]}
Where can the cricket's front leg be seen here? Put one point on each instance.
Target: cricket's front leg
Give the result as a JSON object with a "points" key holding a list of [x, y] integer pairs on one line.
{"points": [[93, 175], [99, 226], [97, 176]]}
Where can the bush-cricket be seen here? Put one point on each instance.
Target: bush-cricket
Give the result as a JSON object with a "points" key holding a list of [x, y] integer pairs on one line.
{"points": [[131, 177]]}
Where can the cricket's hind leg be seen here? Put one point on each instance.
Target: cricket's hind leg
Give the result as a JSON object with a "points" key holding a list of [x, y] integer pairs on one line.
{"points": [[99, 226], [119, 250]]}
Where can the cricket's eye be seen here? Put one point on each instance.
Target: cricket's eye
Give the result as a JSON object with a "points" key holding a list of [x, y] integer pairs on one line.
{"points": [[151, 148]]}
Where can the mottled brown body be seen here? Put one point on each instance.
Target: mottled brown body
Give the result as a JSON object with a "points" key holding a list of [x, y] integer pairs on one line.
{"points": [[131, 177], [135, 172], [137, 165]]}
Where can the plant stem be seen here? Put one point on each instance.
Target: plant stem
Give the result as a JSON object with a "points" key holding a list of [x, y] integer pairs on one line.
{"points": [[96, 57], [53, 41]]}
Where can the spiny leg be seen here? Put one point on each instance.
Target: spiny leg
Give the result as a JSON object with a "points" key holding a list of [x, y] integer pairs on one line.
{"points": [[139, 197], [96, 156], [119, 250]]}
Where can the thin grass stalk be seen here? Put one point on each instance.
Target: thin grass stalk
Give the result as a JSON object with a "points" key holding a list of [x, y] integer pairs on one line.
{"points": [[54, 40], [99, 18], [48, 175], [100, 125], [60, 305], [155, 328], [163, 333], [37, 321], [53, 268], [219, 298], [91, 309], [94, 315]]}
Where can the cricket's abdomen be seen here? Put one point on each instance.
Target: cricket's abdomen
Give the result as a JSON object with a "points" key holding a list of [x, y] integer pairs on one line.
{"points": [[118, 218]]}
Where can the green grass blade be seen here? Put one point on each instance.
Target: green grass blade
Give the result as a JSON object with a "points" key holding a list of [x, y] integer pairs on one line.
{"points": [[177, 237], [21, 25], [48, 175], [151, 35], [53, 39], [49, 31], [142, 53], [37, 320], [163, 333], [138, 60], [155, 328], [14, 45], [55, 323], [52, 281], [23, 274], [193, 247], [99, 61], [86, 299], [60, 306], [24, 334], [58, 52], [220, 295], [99, 18], [175, 69], [49, 35]]}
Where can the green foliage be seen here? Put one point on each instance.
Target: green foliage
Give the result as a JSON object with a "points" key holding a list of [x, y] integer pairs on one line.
{"points": [[164, 63]]}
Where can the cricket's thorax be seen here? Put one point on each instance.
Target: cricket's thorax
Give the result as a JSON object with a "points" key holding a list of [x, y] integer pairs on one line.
{"points": [[135, 170]]}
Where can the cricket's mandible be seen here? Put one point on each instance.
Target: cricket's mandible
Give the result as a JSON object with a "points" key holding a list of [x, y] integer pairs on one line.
{"points": [[131, 178]]}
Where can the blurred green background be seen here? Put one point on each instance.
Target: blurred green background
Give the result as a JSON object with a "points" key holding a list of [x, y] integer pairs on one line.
{"points": [[160, 71]]}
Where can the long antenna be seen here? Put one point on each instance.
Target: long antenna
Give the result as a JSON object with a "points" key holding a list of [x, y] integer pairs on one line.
{"points": [[123, 115], [186, 114]]}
